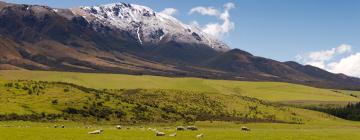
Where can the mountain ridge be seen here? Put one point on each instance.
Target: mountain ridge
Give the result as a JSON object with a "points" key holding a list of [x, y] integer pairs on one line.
{"points": [[81, 39]]}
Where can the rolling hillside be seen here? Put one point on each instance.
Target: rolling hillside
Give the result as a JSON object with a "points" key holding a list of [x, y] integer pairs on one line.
{"points": [[270, 91], [37, 95], [218, 107]]}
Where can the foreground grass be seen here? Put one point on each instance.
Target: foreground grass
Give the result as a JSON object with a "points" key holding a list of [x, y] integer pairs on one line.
{"points": [[271, 91], [212, 131]]}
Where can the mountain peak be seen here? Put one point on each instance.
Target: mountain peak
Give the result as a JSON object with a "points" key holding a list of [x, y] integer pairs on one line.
{"points": [[150, 28], [120, 10]]}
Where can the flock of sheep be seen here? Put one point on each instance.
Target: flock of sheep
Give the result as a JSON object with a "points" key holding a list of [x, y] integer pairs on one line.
{"points": [[160, 134]]}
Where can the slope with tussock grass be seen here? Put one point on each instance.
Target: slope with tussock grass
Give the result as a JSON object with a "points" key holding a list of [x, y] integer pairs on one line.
{"points": [[270, 91], [44, 101]]}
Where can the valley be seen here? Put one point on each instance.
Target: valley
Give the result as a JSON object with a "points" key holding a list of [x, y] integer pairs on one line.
{"points": [[128, 72], [218, 107]]}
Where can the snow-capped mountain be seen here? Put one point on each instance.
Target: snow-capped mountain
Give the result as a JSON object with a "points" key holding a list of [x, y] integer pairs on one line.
{"points": [[147, 26], [133, 39]]}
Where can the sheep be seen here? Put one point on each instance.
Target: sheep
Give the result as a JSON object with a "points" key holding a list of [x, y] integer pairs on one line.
{"points": [[244, 128], [194, 128], [118, 127], [55, 126], [158, 133], [172, 135], [62, 126], [180, 128], [200, 136], [97, 132]]}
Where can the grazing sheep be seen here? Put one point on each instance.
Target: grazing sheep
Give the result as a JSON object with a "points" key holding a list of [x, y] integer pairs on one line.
{"points": [[194, 128], [180, 128], [97, 132], [172, 135], [158, 133], [62, 126], [200, 136], [244, 128], [55, 126], [118, 127]]}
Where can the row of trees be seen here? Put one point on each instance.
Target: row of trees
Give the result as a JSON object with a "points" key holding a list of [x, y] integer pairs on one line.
{"points": [[349, 112]]}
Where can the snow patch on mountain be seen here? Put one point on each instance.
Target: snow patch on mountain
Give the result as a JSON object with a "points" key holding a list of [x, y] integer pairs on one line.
{"points": [[138, 34], [146, 25]]}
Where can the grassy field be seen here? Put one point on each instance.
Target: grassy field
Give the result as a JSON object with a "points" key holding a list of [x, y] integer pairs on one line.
{"points": [[42, 100], [211, 131], [104, 100], [271, 91]]}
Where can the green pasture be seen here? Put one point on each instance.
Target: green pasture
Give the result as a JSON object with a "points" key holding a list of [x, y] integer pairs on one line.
{"points": [[271, 91]]}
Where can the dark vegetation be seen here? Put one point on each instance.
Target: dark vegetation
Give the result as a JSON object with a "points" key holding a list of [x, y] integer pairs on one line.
{"points": [[134, 105], [349, 112]]}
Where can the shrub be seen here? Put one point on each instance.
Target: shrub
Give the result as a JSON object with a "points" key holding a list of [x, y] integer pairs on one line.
{"points": [[54, 102]]}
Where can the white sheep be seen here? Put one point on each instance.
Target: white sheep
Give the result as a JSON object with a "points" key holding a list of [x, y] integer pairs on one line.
{"points": [[97, 132], [200, 136], [158, 133]]}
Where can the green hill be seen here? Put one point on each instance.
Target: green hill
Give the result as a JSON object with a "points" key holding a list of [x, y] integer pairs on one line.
{"points": [[41, 95], [219, 108], [35, 101], [271, 91]]}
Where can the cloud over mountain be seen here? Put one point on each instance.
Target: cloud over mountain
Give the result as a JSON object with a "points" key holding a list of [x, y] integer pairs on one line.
{"points": [[216, 29], [349, 63], [169, 11]]}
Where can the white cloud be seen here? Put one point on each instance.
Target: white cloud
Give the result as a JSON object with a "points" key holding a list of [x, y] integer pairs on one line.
{"points": [[205, 11], [169, 11], [349, 65], [216, 29], [344, 48], [322, 55], [229, 5], [329, 54]]}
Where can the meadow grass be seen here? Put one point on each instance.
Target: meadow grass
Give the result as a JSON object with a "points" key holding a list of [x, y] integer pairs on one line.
{"points": [[22, 98], [211, 131], [314, 126], [271, 91]]}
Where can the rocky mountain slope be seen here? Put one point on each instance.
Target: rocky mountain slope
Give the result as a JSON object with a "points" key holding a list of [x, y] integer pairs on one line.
{"points": [[133, 39], [148, 27]]}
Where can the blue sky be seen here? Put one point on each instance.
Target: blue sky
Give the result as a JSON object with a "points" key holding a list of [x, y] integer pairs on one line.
{"points": [[279, 29]]}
